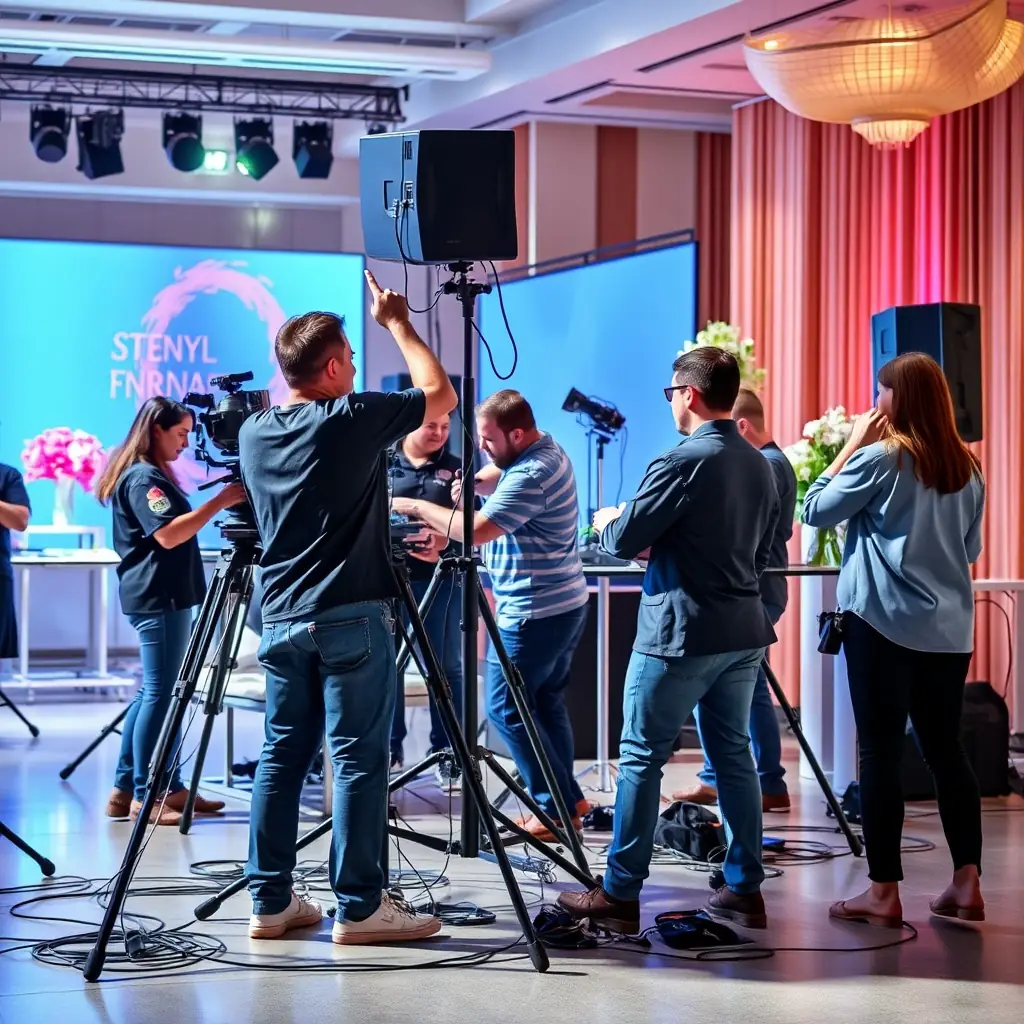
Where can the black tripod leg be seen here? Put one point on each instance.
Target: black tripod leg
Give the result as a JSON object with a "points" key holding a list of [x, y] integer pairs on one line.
{"points": [[45, 865], [856, 846], [6, 701], [67, 771], [231, 639], [195, 656], [438, 687], [514, 680], [404, 649], [209, 907]]}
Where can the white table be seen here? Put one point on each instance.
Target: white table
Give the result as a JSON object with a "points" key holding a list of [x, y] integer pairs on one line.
{"points": [[98, 563], [826, 713]]}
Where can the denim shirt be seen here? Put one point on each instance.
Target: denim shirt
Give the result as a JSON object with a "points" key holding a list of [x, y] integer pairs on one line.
{"points": [[907, 560], [707, 509]]}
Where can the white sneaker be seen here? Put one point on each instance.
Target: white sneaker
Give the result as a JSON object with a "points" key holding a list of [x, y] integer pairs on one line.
{"points": [[393, 921], [302, 912]]}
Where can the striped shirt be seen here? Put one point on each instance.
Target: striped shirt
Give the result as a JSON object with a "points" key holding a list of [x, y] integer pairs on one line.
{"points": [[535, 566]]}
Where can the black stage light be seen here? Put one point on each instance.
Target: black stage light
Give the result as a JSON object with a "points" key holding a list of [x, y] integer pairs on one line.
{"points": [[311, 148], [604, 417], [183, 141], [99, 143], [48, 130], [376, 128], [254, 146]]}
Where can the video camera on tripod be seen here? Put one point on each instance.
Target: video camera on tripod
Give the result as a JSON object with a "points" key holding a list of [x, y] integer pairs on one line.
{"points": [[218, 423]]}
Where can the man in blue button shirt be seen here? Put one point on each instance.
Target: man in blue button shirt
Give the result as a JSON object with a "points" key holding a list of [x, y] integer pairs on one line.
{"points": [[765, 738], [706, 511]]}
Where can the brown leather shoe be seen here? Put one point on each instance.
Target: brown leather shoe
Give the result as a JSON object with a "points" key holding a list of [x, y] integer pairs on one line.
{"points": [[778, 804], [119, 803], [539, 830], [159, 815], [747, 910], [699, 794], [176, 801], [603, 910]]}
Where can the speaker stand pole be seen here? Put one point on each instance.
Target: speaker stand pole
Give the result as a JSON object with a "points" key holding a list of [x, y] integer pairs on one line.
{"points": [[467, 292]]}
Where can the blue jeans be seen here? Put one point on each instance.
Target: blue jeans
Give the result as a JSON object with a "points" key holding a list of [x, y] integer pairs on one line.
{"points": [[163, 638], [542, 650], [335, 670], [659, 695], [443, 625], [765, 737]]}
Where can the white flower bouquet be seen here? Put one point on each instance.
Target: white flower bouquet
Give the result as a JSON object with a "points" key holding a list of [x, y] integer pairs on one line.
{"points": [[822, 441], [723, 335]]}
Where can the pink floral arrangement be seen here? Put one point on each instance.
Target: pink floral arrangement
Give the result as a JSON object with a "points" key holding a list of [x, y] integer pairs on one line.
{"points": [[60, 453]]}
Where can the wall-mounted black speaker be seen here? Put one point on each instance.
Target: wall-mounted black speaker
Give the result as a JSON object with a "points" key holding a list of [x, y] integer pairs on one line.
{"points": [[402, 382], [439, 196], [949, 332]]}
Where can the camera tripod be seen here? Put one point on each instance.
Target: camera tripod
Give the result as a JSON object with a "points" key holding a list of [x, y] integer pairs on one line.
{"points": [[468, 763], [45, 864], [225, 604]]}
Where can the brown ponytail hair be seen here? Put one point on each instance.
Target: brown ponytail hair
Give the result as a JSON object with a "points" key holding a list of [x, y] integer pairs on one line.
{"points": [[923, 423], [138, 445]]}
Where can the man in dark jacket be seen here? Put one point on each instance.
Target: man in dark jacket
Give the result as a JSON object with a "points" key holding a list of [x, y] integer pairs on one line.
{"points": [[765, 738], [706, 511]]}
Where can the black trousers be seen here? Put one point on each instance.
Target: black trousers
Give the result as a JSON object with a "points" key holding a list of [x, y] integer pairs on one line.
{"points": [[888, 682]]}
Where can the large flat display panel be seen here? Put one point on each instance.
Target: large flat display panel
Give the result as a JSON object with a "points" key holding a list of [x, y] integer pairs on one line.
{"points": [[89, 331], [611, 329]]}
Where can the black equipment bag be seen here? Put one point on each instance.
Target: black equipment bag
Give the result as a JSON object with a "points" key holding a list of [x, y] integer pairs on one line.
{"points": [[985, 735], [689, 829]]}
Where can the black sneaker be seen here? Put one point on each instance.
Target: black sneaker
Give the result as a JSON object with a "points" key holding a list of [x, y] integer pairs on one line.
{"points": [[448, 776]]}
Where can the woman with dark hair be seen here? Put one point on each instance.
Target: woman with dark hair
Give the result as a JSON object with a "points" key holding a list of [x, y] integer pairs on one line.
{"points": [[161, 580], [912, 493]]}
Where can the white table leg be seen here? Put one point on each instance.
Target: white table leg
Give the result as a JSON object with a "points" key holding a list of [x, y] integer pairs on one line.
{"points": [[817, 675], [23, 624], [1018, 662], [604, 783], [91, 645], [844, 729], [103, 625]]}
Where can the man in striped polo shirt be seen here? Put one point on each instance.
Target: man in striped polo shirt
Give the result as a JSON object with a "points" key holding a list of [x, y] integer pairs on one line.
{"points": [[528, 527]]}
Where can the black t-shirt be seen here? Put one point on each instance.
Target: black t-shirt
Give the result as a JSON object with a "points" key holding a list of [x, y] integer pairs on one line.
{"points": [[12, 491], [432, 482], [153, 578], [316, 477]]}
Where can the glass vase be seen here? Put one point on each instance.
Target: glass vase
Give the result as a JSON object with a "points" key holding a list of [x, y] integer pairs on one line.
{"points": [[64, 502], [826, 546]]}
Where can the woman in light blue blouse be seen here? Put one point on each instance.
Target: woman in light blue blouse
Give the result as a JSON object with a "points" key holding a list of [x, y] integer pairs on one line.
{"points": [[912, 494]]}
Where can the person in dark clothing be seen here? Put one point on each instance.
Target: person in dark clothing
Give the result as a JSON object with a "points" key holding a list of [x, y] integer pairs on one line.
{"points": [[315, 473], [422, 467], [15, 510], [765, 737], [706, 512], [160, 582]]}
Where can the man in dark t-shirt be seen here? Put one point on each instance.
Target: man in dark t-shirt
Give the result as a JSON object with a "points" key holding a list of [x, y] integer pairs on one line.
{"points": [[423, 467], [15, 510], [315, 472]]}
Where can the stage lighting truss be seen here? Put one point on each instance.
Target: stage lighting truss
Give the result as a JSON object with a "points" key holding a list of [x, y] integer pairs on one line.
{"points": [[183, 141], [48, 130], [99, 143], [254, 146], [312, 143]]}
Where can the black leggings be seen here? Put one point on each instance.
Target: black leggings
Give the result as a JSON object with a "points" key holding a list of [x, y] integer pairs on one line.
{"points": [[888, 682]]}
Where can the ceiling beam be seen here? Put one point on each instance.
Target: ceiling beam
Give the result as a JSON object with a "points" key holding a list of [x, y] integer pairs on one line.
{"points": [[436, 18]]}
